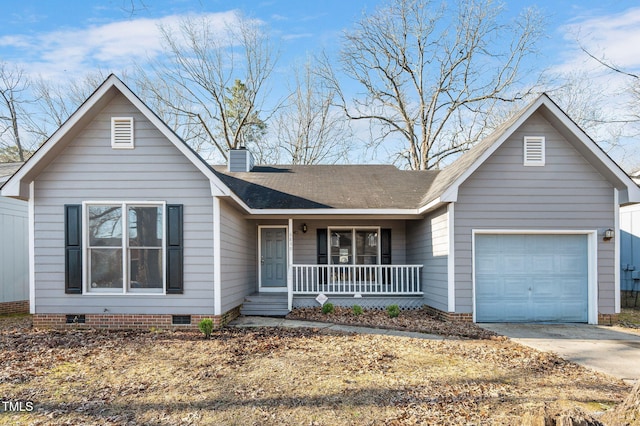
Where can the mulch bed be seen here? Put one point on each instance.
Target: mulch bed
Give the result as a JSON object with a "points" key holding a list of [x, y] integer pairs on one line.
{"points": [[418, 320]]}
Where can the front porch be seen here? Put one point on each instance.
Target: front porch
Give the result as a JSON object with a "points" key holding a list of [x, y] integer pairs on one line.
{"points": [[370, 286], [358, 261], [357, 280]]}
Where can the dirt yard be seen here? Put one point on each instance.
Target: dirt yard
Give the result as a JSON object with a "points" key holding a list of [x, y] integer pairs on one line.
{"points": [[285, 377]]}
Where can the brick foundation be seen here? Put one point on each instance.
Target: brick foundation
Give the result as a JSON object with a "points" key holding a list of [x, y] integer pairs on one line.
{"points": [[448, 316], [19, 307], [130, 321], [607, 319]]}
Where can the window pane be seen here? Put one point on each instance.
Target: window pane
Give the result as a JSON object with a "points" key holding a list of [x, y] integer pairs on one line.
{"points": [[105, 226], [366, 247], [145, 226], [106, 268], [146, 268], [341, 247]]}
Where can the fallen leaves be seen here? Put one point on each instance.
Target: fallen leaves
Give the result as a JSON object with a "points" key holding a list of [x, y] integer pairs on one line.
{"points": [[285, 376], [418, 320]]}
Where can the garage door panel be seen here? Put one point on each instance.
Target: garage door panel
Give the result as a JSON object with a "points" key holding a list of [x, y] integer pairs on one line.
{"points": [[547, 310], [517, 311], [573, 289], [540, 263], [544, 287], [487, 244], [488, 264], [512, 245], [492, 311], [494, 291], [571, 264], [527, 278], [515, 288], [514, 263]]}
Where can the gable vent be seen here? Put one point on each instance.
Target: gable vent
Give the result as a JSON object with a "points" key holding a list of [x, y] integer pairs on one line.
{"points": [[534, 154], [122, 132]]}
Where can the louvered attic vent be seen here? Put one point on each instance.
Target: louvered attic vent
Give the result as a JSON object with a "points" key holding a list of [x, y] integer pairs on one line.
{"points": [[534, 151], [122, 132]]}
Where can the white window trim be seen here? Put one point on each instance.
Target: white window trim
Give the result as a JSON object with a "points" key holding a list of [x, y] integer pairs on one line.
{"points": [[542, 142], [353, 230], [121, 145], [125, 246]]}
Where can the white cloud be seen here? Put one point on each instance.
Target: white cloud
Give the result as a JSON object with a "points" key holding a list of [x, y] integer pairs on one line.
{"points": [[614, 38], [289, 37], [112, 46]]}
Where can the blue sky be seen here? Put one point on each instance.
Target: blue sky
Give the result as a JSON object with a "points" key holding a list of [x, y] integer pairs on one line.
{"points": [[64, 39], [35, 31]]}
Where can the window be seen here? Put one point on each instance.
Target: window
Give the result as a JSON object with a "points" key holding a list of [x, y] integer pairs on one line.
{"points": [[534, 151], [122, 132], [354, 246], [125, 248]]}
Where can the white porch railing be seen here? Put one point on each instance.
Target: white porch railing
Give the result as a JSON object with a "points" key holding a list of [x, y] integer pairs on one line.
{"points": [[357, 279]]}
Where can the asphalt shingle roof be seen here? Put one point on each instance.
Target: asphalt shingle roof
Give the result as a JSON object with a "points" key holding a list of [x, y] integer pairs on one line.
{"points": [[329, 186]]}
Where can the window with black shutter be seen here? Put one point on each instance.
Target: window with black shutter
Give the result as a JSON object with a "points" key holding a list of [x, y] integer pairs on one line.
{"points": [[175, 249], [127, 249], [73, 248]]}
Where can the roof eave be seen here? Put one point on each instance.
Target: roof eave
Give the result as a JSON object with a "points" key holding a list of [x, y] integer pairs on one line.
{"points": [[18, 185]]}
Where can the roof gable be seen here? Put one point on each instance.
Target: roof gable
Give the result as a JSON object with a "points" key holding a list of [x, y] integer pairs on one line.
{"points": [[18, 185], [445, 188]]}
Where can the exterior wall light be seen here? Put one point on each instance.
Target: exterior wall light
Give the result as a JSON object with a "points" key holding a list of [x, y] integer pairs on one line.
{"points": [[609, 234], [304, 228]]}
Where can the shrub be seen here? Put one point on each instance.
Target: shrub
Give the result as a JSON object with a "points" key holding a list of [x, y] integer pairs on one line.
{"points": [[206, 326], [393, 311], [357, 310], [327, 308]]}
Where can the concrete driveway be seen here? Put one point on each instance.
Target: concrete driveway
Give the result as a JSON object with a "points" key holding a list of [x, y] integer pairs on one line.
{"points": [[610, 350]]}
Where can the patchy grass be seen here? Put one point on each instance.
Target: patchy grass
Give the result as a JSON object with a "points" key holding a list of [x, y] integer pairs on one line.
{"points": [[286, 376], [629, 317]]}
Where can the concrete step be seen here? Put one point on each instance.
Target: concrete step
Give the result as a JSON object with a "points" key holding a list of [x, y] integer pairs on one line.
{"points": [[265, 304]]}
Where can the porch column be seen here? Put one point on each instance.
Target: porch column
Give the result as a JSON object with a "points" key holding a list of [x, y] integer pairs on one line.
{"points": [[289, 265]]}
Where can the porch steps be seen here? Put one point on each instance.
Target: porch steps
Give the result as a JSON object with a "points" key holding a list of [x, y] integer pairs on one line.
{"points": [[265, 305]]}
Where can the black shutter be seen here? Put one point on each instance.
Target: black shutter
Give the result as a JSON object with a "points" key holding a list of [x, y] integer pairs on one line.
{"points": [[385, 249], [175, 249], [323, 254], [73, 248], [323, 257]]}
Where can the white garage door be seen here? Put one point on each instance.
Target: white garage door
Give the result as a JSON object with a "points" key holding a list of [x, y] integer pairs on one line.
{"points": [[528, 278]]}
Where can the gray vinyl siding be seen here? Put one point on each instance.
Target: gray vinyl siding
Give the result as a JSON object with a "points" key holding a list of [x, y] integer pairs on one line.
{"points": [[305, 244], [90, 170], [238, 256], [428, 244], [565, 194], [14, 250]]}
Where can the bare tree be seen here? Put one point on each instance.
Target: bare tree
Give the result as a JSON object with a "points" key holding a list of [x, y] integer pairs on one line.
{"points": [[309, 129], [204, 62], [55, 102], [429, 73], [13, 88], [582, 101]]}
